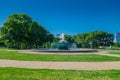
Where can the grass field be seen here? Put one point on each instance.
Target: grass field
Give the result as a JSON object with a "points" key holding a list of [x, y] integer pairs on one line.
{"points": [[46, 74], [114, 52], [14, 55], [49, 74]]}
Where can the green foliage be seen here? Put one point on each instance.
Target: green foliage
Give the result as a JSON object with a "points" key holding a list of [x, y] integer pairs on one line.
{"points": [[49, 74], [68, 38], [56, 39], [19, 31], [116, 45], [14, 55], [94, 39]]}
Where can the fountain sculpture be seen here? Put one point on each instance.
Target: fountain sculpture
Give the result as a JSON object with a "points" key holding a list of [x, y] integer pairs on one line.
{"points": [[63, 44]]}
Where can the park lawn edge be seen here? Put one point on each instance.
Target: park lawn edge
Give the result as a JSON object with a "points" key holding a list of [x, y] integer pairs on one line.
{"points": [[114, 52], [10, 73], [15, 55]]}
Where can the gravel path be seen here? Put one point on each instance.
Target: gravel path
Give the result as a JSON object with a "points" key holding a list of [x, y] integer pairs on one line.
{"points": [[61, 65]]}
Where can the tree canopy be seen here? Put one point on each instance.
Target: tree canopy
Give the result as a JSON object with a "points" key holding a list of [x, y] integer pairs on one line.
{"points": [[20, 31], [94, 39]]}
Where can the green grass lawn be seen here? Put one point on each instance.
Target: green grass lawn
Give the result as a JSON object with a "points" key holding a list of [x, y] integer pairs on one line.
{"points": [[111, 51], [14, 55], [114, 52], [47, 74]]}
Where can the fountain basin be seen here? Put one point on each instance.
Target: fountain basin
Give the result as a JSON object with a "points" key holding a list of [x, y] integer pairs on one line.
{"points": [[65, 51]]}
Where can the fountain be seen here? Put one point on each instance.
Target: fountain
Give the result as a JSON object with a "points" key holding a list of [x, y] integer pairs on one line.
{"points": [[64, 46]]}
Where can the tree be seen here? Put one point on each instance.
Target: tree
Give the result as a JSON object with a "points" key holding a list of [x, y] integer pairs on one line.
{"points": [[93, 39], [68, 38], [19, 31], [101, 38]]}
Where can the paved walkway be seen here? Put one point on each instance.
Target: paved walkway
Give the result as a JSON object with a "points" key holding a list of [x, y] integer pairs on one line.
{"points": [[61, 65]]}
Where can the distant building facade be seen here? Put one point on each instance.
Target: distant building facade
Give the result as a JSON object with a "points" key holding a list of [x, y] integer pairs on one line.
{"points": [[117, 37]]}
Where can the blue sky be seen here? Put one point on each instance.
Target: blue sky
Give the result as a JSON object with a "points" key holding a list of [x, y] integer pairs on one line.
{"points": [[67, 16]]}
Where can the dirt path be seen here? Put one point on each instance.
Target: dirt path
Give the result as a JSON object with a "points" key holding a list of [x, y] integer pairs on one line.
{"points": [[61, 65], [113, 55]]}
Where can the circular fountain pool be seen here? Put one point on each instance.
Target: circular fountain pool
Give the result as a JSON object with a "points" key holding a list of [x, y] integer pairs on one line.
{"points": [[65, 51]]}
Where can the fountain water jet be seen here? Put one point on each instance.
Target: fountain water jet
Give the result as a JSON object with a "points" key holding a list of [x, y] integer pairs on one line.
{"points": [[63, 44]]}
